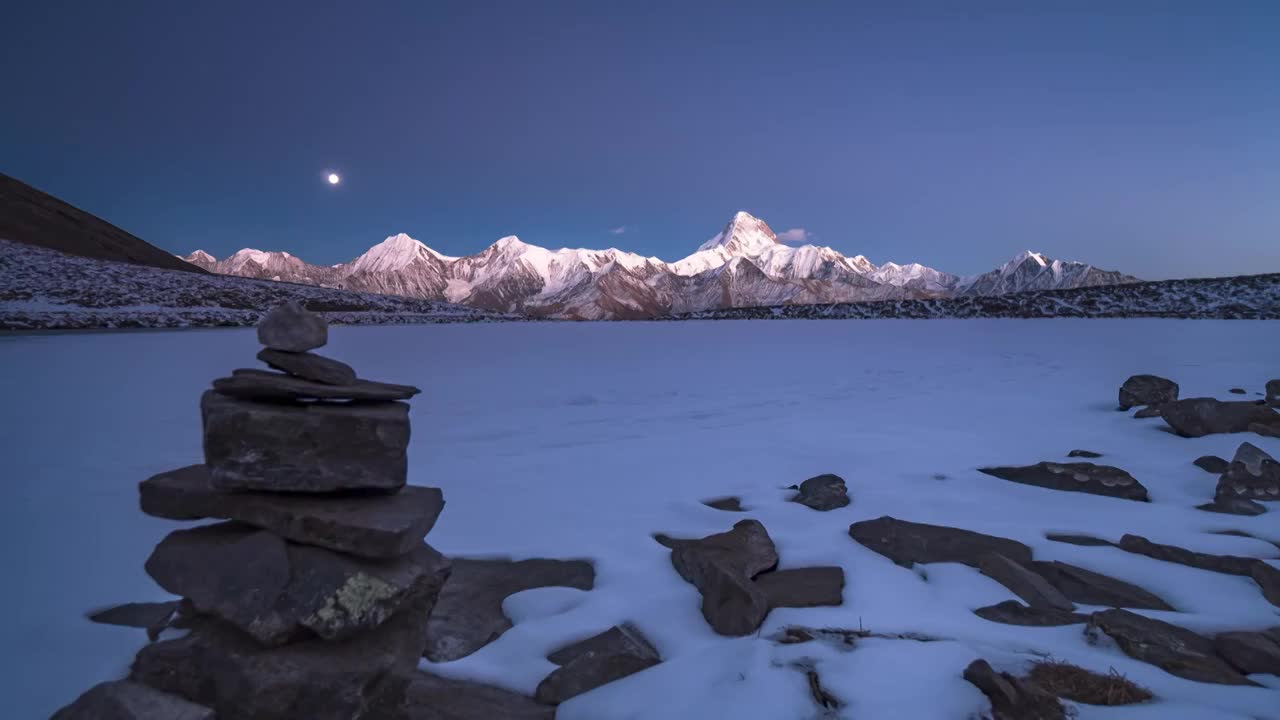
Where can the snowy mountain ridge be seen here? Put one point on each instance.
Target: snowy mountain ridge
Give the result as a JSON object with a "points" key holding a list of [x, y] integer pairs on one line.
{"points": [[743, 265]]}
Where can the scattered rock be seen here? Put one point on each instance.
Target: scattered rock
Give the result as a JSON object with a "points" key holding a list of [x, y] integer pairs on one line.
{"points": [[252, 384], [125, 700], [1149, 411], [586, 665], [309, 366], [315, 447], [371, 526], [1090, 588], [1084, 540], [1233, 506], [907, 543], [1197, 417], [1229, 564], [1273, 393], [1211, 463], [1265, 430], [1084, 454], [824, 492], [153, 617], [1251, 652], [272, 590], [722, 566], [292, 328], [1035, 590], [1147, 390], [423, 696], [1012, 612], [1085, 686], [1237, 391], [468, 614], [1268, 578], [728, 504], [1074, 477], [1012, 698], [803, 587], [1171, 648], [1252, 474]]}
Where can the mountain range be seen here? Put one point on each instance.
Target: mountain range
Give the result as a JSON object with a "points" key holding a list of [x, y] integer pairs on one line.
{"points": [[745, 265]]}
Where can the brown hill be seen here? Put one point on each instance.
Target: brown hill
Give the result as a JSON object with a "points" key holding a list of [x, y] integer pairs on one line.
{"points": [[30, 216]]}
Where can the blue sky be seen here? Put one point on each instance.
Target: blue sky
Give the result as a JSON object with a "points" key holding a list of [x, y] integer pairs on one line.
{"points": [[1140, 136]]}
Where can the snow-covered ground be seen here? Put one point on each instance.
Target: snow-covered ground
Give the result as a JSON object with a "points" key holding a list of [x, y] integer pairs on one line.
{"points": [[580, 440]]}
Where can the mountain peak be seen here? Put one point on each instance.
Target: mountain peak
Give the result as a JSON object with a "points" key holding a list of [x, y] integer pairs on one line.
{"points": [[394, 253], [745, 234], [200, 256]]}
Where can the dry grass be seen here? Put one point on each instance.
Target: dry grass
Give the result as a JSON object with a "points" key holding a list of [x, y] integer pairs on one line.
{"points": [[1085, 686]]}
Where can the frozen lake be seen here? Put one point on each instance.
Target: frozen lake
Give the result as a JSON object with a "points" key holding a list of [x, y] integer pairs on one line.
{"points": [[580, 440]]}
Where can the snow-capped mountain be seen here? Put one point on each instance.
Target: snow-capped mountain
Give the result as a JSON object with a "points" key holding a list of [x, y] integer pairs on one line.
{"points": [[744, 265]]}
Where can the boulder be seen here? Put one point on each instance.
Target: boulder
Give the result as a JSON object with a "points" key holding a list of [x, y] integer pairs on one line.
{"points": [[1197, 417], [371, 526], [1074, 477], [1251, 652], [153, 617], [292, 328], [1171, 648], [907, 543], [1012, 612], [1147, 390], [125, 700], [1273, 393], [313, 447], [1035, 590], [1268, 578], [1090, 588], [824, 492], [423, 696], [803, 587], [1211, 463], [309, 366], [253, 384], [1084, 454], [1252, 474], [468, 614], [586, 665], [721, 567], [1233, 506], [277, 591], [1013, 698], [1229, 564], [727, 504]]}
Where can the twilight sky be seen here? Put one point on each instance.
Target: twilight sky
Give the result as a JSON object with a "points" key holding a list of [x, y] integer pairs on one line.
{"points": [[1139, 135]]}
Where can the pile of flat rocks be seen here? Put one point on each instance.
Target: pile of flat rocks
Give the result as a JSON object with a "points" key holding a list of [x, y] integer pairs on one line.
{"points": [[310, 598]]}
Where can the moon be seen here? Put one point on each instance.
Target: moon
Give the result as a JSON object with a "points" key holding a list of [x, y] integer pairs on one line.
{"points": [[333, 178]]}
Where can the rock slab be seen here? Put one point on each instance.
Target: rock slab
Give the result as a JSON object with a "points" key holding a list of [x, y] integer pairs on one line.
{"points": [[1197, 417], [254, 384], [1171, 648], [1035, 590], [721, 567], [1251, 652], [125, 700], [586, 665], [907, 543], [309, 366], [1012, 612], [1211, 463], [1090, 588], [1074, 477], [803, 587]]}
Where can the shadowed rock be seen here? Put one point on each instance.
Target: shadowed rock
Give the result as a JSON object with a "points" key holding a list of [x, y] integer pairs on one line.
{"points": [[824, 492], [1233, 506], [1147, 390], [1090, 588], [1149, 411], [728, 504], [1252, 474], [315, 447], [1013, 698], [1211, 463], [125, 700], [1265, 430], [1074, 477], [1251, 652], [1230, 564], [1273, 393], [1237, 391], [1083, 540], [1012, 612], [1197, 417], [1171, 648], [722, 566], [252, 384], [422, 696], [273, 590], [586, 665], [372, 526], [468, 614], [1035, 590], [1084, 454], [292, 328], [1268, 578], [907, 543], [309, 366], [153, 617], [803, 587]]}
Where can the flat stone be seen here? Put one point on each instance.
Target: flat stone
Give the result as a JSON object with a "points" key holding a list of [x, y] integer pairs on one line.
{"points": [[371, 526], [253, 384], [1237, 391], [1230, 564], [1035, 590], [1197, 417], [1252, 475], [722, 566], [1271, 429], [907, 543], [1090, 588], [309, 366], [1149, 411], [1211, 463], [1233, 506], [821, 586], [423, 696], [1251, 652], [1268, 578], [1012, 612], [469, 614], [727, 504], [625, 638], [125, 700], [1084, 454], [586, 665], [313, 447], [1083, 540], [292, 328], [1013, 698], [1074, 477], [153, 617], [1147, 390], [1171, 648], [277, 591], [824, 492]]}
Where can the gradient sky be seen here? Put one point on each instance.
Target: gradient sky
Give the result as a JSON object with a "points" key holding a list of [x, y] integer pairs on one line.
{"points": [[1139, 136]]}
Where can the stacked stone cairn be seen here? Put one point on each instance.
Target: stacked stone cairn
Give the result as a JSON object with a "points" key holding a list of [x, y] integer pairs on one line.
{"points": [[310, 598]]}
